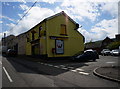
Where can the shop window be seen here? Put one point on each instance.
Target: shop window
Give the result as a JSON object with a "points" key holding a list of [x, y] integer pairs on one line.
{"points": [[63, 29]]}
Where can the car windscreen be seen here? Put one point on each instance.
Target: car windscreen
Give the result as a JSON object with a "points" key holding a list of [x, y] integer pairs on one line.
{"points": [[88, 53]]}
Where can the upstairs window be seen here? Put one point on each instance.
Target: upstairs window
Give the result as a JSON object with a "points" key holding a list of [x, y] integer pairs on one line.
{"points": [[28, 39], [63, 29], [40, 28], [33, 37]]}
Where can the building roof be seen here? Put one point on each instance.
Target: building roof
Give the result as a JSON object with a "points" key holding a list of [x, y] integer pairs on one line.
{"points": [[62, 12], [97, 44], [93, 44], [58, 14], [21, 34], [53, 16]]}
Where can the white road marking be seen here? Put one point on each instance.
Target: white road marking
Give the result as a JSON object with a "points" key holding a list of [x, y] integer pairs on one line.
{"points": [[65, 68], [50, 65], [56, 66], [7, 75], [62, 65], [45, 64], [110, 62], [71, 67], [79, 69], [0, 62], [74, 70], [84, 73], [41, 63]]}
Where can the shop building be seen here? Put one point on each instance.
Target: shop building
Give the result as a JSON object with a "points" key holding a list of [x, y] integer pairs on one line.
{"points": [[55, 36]]}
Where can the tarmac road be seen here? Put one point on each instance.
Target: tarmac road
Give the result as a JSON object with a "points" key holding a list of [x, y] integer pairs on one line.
{"points": [[55, 74]]}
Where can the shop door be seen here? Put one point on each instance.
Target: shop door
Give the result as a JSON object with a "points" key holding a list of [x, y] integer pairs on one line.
{"points": [[35, 49]]}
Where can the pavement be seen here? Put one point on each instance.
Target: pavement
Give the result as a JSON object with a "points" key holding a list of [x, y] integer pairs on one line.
{"points": [[108, 72]]}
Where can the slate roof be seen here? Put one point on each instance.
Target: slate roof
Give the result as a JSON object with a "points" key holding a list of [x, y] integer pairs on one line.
{"points": [[53, 16], [93, 44], [62, 12], [98, 44]]}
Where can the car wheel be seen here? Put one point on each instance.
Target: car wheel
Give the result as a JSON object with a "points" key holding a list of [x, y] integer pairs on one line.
{"points": [[94, 59]]}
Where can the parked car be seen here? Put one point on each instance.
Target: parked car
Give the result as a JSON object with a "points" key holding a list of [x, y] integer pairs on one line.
{"points": [[105, 52], [115, 52], [94, 51], [87, 55], [11, 52]]}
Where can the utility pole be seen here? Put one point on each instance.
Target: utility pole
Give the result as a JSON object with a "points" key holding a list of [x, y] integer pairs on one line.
{"points": [[4, 39]]}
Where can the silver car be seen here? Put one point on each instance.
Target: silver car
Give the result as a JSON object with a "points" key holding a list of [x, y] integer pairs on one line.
{"points": [[115, 52], [105, 52]]}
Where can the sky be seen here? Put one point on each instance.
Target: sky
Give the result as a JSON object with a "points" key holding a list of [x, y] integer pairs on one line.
{"points": [[98, 19]]}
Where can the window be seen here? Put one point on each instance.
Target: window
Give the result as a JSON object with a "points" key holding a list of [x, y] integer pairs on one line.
{"points": [[27, 36], [33, 37], [33, 34], [63, 29], [28, 40], [40, 28]]}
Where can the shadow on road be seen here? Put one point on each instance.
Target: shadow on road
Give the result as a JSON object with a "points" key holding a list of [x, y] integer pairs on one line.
{"points": [[24, 66]]}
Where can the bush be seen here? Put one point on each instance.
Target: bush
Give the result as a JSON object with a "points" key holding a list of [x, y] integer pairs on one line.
{"points": [[114, 45]]}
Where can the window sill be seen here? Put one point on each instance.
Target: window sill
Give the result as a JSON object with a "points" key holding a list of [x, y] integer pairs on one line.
{"points": [[64, 34]]}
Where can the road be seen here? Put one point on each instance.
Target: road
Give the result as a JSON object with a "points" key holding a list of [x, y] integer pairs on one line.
{"points": [[55, 74]]}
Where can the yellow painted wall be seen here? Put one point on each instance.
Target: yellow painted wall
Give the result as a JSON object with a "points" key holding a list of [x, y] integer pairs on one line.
{"points": [[43, 45], [72, 45], [42, 39], [28, 49]]}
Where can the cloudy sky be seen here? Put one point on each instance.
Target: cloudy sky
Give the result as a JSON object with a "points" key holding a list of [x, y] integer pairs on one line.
{"points": [[98, 19]]}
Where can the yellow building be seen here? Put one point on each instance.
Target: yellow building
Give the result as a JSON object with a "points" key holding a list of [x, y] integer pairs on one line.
{"points": [[55, 36]]}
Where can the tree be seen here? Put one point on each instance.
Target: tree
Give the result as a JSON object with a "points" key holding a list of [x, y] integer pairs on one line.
{"points": [[114, 45]]}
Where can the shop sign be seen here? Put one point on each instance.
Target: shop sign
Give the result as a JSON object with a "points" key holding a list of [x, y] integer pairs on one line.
{"points": [[59, 46]]}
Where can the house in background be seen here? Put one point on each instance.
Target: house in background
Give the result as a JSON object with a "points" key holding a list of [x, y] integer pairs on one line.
{"points": [[117, 37], [17, 43], [8, 41], [20, 44], [94, 45], [55, 36], [105, 42], [100, 45]]}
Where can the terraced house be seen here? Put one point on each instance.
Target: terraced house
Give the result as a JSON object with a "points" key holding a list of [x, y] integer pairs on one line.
{"points": [[55, 36]]}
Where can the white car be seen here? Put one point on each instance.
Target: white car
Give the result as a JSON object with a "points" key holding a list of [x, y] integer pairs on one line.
{"points": [[105, 52], [115, 52]]}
